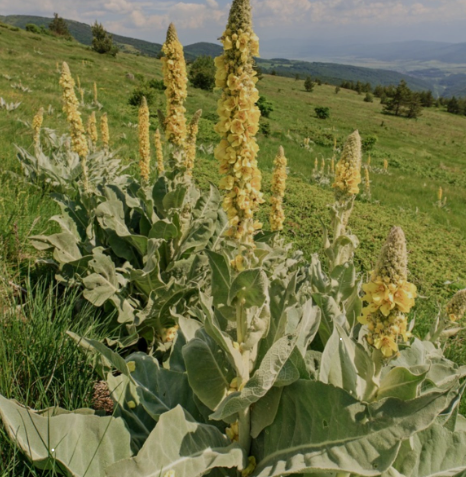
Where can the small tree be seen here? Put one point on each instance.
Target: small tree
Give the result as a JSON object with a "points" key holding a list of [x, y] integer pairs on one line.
{"points": [[369, 98], [102, 42], [202, 73], [337, 89], [265, 107], [59, 27], [309, 84]]}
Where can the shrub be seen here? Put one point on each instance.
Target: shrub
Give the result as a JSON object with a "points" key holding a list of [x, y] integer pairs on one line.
{"points": [[202, 73], [143, 91], [369, 142], [264, 127], [102, 42], [59, 27], [157, 85], [322, 112], [309, 84], [265, 107], [31, 27], [369, 98]]}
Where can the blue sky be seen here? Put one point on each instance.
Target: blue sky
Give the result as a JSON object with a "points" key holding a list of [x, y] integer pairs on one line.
{"points": [[331, 21]]}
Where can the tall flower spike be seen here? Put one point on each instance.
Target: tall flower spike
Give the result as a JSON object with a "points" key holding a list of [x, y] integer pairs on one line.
{"points": [[239, 123], [144, 141], [193, 129], [367, 182], [36, 127], [70, 108], [440, 194], [389, 296], [92, 128], [277, 215], [159, 152], [104, 131], [348, 169], [95, 93], [175, 80], [456, 307]]}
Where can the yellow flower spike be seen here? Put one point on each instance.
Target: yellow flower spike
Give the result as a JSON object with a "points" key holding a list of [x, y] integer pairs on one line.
{"points": [[456, 307], [348, 169], [369, 159], [104, 132], [277, 215], [92, 128], [95, 93], [322, 166], [367, 182], [239, 123], [385, 165], [70, 108], [81, 93], [193, 129], [440, 194], [36, 127], [389, 296], [175, 80], [316, 164], [159, 152], [144, 140]]}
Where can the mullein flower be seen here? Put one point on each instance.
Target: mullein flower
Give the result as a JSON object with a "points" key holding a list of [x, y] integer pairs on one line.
{"points": [[239, 124], [144, 141], [456, 307], [316, 164], [70, 108], [193, 129], [159, 152], [367, 182], [385, 165], [36, 127], [95, 93], [348, 169], [92, 128], [175, 80], [322, 167], [104, 131], [440, 194], [277, 215], [389, 296]]}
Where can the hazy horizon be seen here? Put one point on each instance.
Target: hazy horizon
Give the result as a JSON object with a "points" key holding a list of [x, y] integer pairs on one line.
{"points": [[328, 23]]}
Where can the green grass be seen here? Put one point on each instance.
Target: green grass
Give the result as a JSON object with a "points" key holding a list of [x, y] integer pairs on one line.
{"points": [[41, 366], [423, 154]]}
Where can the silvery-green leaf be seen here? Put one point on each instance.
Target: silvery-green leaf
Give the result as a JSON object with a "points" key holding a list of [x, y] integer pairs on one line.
{"points": [[330, 314], [343, 281], [319, 427], [249, 286], [262, 380], [401, 383], [435, 452], [79, 444], [174, 199], [180, 444], [209, 369], [163, 229], [65, 248], [221, 277], [264, 411], [208, 204]]}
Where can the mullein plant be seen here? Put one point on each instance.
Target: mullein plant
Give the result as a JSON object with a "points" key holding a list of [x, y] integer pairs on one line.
{"points": [[346, 186], [238, 126], [389, 297], [277, 214], [159, 152], [144, 141], [92, 131], [70, 108], [367, 183], [191, 138], [36, 128], [104, 131]]}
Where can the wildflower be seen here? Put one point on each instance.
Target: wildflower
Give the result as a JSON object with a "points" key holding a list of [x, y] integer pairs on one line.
{"points": [[169, 334], [369, 161], [239, 123], [277, 215], [440, 194], [36, 126], [367, 182], [456, 307], [159, 152], [81, 93], [92, 128], [385, 165], [95, 93], [193, 129], [144, 141], [348, 169], [70, 108], [175, 79], [316, 164], [389, 296], [104, 131]]}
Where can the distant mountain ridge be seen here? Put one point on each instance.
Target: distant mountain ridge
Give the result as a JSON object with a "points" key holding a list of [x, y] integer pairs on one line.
{"points": [[332, 73]]}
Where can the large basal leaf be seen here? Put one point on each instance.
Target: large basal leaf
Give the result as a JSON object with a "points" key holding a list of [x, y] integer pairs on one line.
{"points": [[435, 452], [319, 427], [262, 380], [199, 235], [402, 383], [81, 445], [64, 245], [180, 444], [208, 204], [209, 369], [343, 281]]}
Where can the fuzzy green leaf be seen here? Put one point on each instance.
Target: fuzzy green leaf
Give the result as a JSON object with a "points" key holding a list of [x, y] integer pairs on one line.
{"points": [[401, 383], [250, 286], [79, 444], [221, 277], [180, 444]]}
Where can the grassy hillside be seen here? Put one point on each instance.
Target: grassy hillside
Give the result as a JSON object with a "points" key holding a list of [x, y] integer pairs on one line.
{"points": [[423, 154]]}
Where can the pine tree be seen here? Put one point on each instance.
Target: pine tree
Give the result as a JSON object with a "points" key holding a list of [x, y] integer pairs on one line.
{"points": [[102, 42], [59, 27]]}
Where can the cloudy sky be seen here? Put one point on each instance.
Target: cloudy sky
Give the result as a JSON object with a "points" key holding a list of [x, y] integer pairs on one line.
{"points": [[362, 21]]}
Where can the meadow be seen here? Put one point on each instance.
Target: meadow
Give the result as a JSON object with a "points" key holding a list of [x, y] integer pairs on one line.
{"points": [[422, 155]]}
